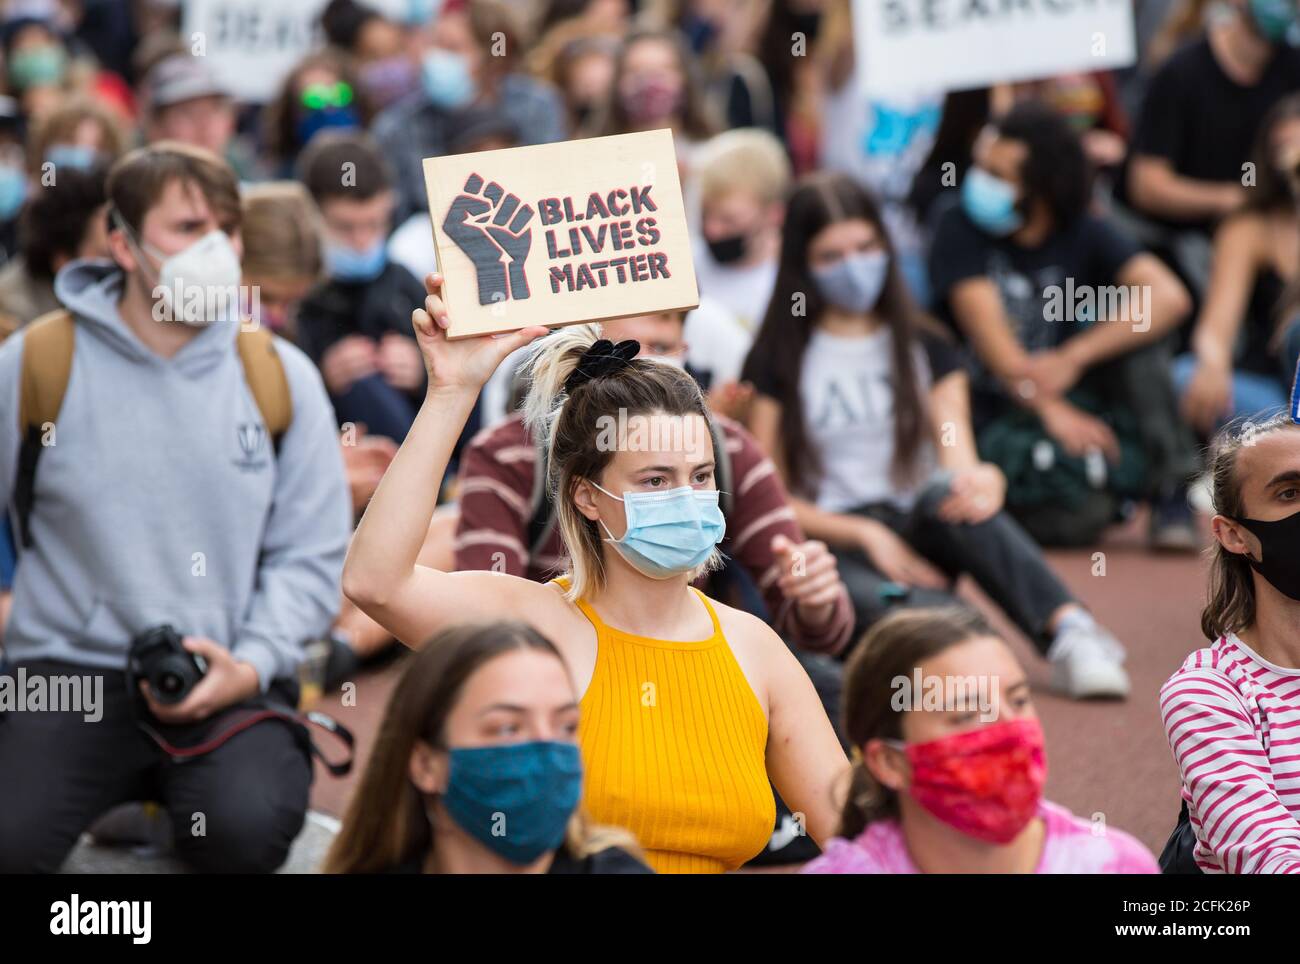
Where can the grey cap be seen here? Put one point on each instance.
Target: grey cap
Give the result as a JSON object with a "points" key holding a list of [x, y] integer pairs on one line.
{"points": [[181, 77]]}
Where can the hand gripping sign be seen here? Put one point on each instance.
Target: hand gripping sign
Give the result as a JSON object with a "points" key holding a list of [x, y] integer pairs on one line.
{"points": [[558, 234]]}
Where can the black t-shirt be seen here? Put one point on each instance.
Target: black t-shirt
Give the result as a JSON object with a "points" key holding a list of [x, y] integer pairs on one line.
{"points": [[1044, 290], [335, 309], [1203, 122]]}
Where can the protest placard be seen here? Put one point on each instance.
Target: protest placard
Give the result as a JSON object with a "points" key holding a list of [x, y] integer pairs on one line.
{"points": [[557, 234], [909, 45]]}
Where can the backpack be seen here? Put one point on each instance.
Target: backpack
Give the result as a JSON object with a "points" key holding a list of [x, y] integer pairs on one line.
{"points": [[1179, 857], [48, 344], [541, 520]]}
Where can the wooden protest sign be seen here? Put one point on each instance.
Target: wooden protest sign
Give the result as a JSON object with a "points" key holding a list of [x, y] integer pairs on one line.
{"points": [[557, 234]]}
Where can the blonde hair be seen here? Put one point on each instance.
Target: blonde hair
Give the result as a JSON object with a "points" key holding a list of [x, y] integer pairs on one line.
{"points": [[569, 427], [748, 159], [281, 231]]}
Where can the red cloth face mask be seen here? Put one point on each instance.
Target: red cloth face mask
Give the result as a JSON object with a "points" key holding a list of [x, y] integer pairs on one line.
{"points": [[986, 782]]}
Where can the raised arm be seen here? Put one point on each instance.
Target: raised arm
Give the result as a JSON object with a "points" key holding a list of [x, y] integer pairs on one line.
{"points": [[382, 575]]}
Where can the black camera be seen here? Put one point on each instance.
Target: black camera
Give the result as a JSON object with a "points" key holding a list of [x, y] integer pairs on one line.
{"points": [[171, 670]]}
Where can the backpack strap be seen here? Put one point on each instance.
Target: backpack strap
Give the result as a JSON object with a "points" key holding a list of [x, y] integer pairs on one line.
{"points": [[48, 344], [264, 372]]}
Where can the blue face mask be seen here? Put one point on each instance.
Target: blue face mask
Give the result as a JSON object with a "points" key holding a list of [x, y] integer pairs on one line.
{"points": [[419, 12], [447, 81], [1273, 18], [516, 800], [668, 533], [77, 156], [13, 191], [990, 202], [344, 263], [313, 122], [854, 283]]}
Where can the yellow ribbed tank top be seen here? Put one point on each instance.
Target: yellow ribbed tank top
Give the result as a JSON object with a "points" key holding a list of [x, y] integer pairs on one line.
{"points": [[674, 749]]}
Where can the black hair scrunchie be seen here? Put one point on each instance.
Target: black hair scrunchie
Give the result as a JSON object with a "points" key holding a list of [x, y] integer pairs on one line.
{"points": [[602, 358]]}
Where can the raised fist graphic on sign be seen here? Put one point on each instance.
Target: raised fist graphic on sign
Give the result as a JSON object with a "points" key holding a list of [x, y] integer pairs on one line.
{"points": [[488, 225]]}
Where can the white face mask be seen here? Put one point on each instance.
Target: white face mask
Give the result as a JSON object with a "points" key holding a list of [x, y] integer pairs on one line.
{"points": [[198, 285]]}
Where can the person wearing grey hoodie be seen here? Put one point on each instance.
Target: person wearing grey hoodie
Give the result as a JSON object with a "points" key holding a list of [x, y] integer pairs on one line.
{"points": [[163, 500]]}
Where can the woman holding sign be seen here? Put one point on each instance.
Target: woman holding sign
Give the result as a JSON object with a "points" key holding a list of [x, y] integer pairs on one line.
{"points": [[688, 707]]}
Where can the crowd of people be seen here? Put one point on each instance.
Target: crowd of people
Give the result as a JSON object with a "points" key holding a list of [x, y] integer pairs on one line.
{"points": [[936, 335]]}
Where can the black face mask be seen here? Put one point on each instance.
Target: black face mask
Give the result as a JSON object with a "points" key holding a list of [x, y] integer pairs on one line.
{"points": [[727, 250], [1280, 543]]}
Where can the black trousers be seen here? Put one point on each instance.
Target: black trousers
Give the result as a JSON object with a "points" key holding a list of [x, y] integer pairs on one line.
{"points": [[233, 810], [998, 554]]}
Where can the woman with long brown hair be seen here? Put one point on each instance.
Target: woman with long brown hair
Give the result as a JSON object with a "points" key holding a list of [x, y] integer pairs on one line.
{"points": [[691, 710], [1230, 711], [476, 767], [949, 762], [864, 407]]}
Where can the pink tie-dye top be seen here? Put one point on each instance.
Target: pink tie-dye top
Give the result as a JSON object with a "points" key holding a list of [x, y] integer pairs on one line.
{"points": [[1070, 846]]}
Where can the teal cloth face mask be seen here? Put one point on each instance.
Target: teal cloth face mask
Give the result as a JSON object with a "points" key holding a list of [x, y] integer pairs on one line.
{"points": [[668, 533], [517, 799]]}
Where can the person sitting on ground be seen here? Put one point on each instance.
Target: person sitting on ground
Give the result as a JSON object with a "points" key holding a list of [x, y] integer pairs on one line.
{"points": [[640, 521], [958, 788], [864, 407], [1201, 113], [213, 510], [282, 262], [61, 222], [1230, 709], [480, 737], [500, 474], [743, 177], [1066, 318], [356, 326], [1234, 370]]}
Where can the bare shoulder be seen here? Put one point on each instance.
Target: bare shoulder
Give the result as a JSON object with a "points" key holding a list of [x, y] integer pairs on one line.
{"points": [[762, 654]]}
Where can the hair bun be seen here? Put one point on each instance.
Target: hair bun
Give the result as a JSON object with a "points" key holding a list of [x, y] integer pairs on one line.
{"points": [[602, 358]]}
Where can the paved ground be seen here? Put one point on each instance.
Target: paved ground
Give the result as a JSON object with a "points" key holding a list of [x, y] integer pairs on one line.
{"points": [[1104, 758]]}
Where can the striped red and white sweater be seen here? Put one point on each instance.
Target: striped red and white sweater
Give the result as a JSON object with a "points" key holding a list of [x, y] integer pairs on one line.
{"points": [[496, 487], [1233, 723]]}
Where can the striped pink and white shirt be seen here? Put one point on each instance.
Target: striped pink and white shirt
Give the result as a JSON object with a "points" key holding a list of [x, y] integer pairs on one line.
{"points": [[1233, 722]]}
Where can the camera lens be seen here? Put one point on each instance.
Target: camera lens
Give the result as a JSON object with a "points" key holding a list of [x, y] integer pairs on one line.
{"points": [[170, 683]]}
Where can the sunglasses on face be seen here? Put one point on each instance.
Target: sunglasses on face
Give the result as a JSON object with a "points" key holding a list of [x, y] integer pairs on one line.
{"points": [[320, 96]]}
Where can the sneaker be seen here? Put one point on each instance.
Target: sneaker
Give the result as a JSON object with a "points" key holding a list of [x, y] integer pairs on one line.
{"points": [[1173, 525], [1087, 663]]}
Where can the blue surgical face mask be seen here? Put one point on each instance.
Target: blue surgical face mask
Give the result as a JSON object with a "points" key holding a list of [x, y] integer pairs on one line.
{"points": [[344, 263], [78, 156], [312, 122], [13, 191], [854, 283], [1273, 18], [447, 80], [420, 12], [990, 202], [668, 533], [516, 800]]}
